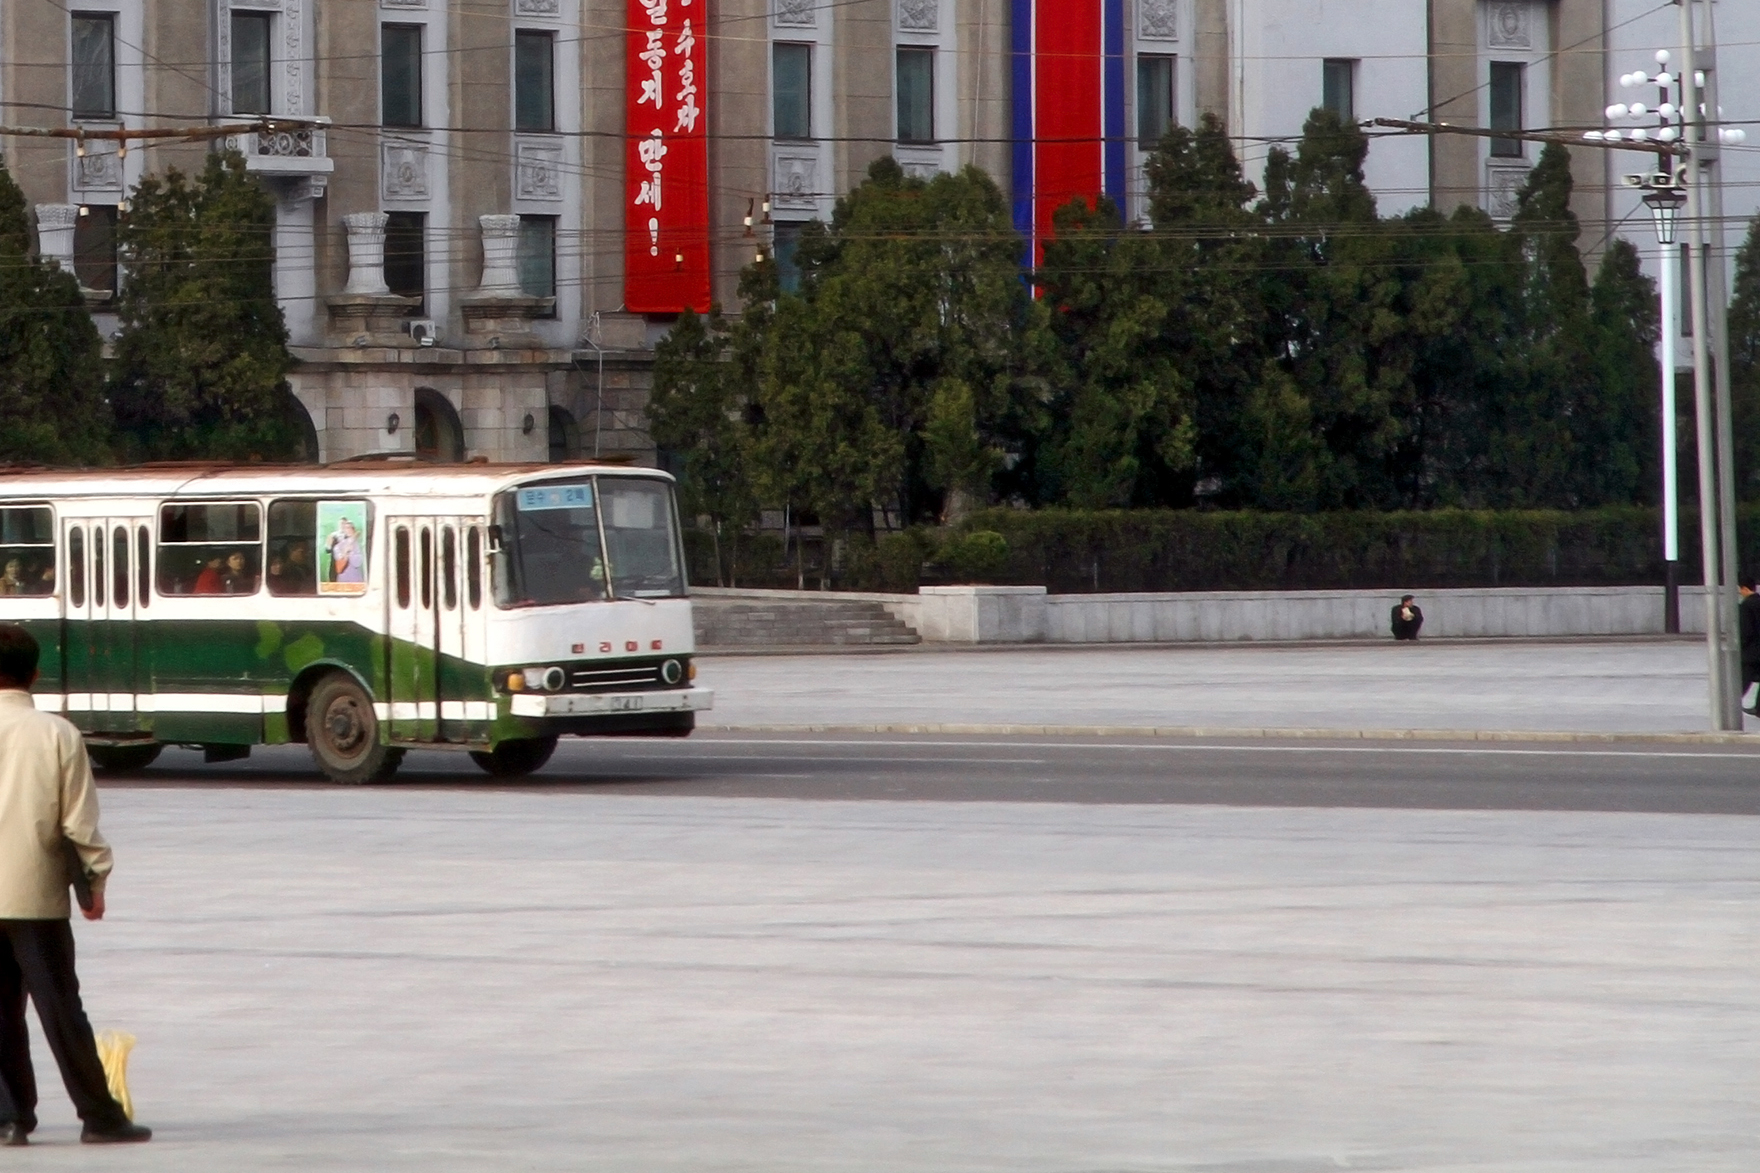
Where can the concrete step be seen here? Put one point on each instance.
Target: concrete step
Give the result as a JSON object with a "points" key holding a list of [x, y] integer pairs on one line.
{"points": [[724, 622]]}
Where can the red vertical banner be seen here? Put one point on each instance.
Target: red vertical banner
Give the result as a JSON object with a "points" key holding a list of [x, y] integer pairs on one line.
{"points": [[1067, 63], [666, 188]]}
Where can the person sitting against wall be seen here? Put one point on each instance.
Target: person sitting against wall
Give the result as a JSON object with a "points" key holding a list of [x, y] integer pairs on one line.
{"points": [[1408, 617]]}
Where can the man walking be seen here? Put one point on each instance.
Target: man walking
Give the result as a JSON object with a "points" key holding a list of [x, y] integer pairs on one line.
{"points": [[46, 797], [1750, 629]]}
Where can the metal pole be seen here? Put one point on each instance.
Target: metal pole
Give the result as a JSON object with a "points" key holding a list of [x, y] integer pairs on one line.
{"points": [[1725, 709], [1729, 598], [1671, 498]]}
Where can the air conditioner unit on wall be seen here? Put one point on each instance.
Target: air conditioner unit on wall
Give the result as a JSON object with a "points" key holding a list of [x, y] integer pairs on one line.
{"points": [[422, 330]]}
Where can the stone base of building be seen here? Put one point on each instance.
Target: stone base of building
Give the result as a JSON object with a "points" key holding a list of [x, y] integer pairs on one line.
{"points": [[527, 405]]}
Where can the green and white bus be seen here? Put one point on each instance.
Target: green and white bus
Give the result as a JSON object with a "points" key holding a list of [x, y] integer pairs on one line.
{"points": [[363, 609]]}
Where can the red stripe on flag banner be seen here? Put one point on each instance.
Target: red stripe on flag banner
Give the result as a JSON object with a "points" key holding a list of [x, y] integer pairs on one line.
{"points": [[1067, 58]]}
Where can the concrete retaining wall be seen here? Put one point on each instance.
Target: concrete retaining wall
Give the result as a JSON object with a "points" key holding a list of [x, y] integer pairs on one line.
{"points": [[1007, 615]]}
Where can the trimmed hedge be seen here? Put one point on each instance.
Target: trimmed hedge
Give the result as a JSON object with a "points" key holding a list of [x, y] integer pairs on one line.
{"points": [[1076, 552]]}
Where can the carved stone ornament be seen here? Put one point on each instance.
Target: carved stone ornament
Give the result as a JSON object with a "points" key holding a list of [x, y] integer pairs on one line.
{"points": [[796, 14], [536, 8], [1502, 183], [919, 16], [405, 173], [1511, 25], [403, 3], [293, 57], [1158, 20], [919, 168], [538, 171], [797, 182], [97, 170]]}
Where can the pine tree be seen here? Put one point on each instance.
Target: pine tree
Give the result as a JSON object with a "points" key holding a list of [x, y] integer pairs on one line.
{"points": [[1744, 363], [201, 365], [51, 367]]}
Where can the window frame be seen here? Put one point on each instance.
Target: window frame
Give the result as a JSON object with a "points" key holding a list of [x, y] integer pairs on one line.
{"points": [[1331, 68], [265, 20], [803, 132], [97, 221], [161, 546], [400, 227], [107, 113], [525, 87], [1495, 98], [414, 103], [523, 256], [925, 54], [1168, 113]]}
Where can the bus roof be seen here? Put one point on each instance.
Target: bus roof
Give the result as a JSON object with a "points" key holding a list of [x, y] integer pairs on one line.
{"points": [[206, 479]]}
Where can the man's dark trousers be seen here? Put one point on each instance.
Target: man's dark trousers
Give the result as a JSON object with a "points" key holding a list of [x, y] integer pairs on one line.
{"points": [[36, 958]]}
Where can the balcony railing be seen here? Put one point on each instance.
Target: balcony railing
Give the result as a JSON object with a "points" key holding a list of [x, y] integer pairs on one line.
{"points": [[286, 146]]}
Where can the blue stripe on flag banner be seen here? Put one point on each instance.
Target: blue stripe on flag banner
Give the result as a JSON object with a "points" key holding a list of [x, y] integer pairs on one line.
{"points": [[1021, 65], [1113, 101]]}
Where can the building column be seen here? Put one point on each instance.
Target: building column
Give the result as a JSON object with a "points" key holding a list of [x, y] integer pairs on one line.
{"points": [[366, 253], [500, 246], [55, 224]]}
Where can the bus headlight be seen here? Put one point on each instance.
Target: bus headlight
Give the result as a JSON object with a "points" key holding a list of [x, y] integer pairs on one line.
{"points": [[671, 672], [553, 679]]}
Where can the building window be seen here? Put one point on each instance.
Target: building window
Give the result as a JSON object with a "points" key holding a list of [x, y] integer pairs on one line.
{"points": [[1507, 84], [250, 62], [1338, 87], [536, 257], [94, 248], [400, 74], [94, 65], [786, 243], [916, 95], [793, 82], [406, 255], [1154, 99], [534, 81]]}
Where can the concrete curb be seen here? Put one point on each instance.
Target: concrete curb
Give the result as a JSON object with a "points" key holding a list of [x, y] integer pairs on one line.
{"points": [[714, 651], [1255, 734]]}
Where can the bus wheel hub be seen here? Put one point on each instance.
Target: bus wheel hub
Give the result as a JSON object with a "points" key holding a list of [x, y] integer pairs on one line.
{"points": [[344, 725]]}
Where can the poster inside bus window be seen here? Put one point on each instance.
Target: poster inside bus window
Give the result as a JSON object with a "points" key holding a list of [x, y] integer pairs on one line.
{"points": [[342, 545]]}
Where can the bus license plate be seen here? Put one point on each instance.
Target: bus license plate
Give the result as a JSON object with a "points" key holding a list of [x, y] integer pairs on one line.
{"points": [[625, 704]]}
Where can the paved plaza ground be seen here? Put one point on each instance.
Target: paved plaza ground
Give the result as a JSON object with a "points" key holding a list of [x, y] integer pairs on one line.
{"points": [[441, 978], [1637, 686]]}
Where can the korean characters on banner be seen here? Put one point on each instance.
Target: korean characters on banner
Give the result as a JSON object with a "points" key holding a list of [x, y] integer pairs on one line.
{"points": [[666, 197]]}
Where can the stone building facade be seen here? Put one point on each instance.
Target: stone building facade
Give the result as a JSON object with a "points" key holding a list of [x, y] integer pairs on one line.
{"points": [[452, 175]]}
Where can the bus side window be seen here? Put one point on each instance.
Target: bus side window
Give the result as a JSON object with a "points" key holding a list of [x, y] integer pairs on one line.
{"points": [[76, 566], [293, 553], [427, 569], [473, 566], [143, 566], [119, 556], [402, 559], [97, 566], [449, 568]]}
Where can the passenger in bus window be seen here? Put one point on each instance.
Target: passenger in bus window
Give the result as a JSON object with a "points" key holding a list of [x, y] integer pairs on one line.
{"points": [[238, 578], [46, 580], [290, 572], [209, 581], [12, 580]]}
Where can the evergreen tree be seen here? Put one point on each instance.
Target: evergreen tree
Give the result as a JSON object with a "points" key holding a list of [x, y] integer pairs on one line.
{"points": [[1622, 436], [1744, 363], [51, 367], [200, 367]]}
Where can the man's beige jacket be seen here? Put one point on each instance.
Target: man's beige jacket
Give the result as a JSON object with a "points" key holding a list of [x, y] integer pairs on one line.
{"points": [[46, 793]]}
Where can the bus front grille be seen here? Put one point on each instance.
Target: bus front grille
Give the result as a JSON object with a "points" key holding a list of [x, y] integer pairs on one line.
{"points": [[618, 678]]}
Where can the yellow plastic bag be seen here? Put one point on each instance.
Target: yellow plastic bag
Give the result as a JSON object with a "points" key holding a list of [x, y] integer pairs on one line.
{"points": [[113, 1049]]}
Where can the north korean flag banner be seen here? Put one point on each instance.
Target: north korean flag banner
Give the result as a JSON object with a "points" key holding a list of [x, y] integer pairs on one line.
{"points": [[1067, 62], [666, 193]]}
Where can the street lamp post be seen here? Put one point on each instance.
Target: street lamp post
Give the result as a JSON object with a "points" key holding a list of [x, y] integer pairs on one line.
{"points": [[1665, 206], [1699, 135]]}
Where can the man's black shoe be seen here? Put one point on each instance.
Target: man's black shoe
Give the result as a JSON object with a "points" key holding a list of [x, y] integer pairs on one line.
{"points": [[13, 1135], [122, 1134]]}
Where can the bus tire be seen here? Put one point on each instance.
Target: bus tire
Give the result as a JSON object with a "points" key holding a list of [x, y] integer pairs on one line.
{"points": [[515, 759], [343, 733], [123, 759]]}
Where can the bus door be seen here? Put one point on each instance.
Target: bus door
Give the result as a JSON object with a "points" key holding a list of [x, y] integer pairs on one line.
{"points": [[107, 567], [413, 629], [456, 636]]}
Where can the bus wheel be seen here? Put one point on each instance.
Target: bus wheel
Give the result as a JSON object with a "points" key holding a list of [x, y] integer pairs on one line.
{"points": [[123, 759], [343, 732], [515, 759]]}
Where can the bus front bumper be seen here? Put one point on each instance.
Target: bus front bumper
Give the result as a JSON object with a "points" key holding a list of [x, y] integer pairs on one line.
{"points": [[596, 704]]}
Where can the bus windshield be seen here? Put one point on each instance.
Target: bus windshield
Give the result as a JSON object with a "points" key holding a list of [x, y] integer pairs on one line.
{"points": [[586, 540]]}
